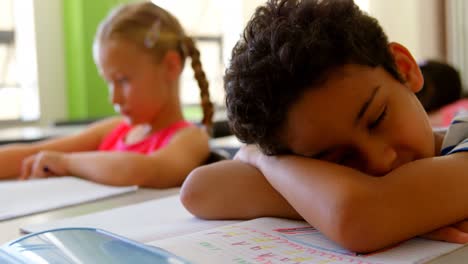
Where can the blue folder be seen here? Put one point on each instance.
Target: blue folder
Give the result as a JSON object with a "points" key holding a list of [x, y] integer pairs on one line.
{"points": [[82, 245]]}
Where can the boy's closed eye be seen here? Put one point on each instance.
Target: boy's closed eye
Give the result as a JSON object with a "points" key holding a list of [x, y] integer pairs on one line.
{"points": [[374, 124], [340, 156], [345, 155]]}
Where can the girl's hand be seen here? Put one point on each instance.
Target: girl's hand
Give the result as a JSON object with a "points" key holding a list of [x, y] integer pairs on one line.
{"points": [[456, 233], [44, 164], [249, 154]]}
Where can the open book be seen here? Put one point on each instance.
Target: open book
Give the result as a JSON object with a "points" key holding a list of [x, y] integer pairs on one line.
{"points": [[273, 240], [166, 224]]}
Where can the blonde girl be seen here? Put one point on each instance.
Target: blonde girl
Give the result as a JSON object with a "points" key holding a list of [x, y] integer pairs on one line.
{"points": [[140, 50]]}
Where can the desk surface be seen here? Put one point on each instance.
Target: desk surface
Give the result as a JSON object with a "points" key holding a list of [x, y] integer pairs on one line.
{"points": [[10, 229], [35, 133]]}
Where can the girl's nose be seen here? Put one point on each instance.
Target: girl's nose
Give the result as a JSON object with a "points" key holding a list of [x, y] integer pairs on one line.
{"points": [[114, 94]]}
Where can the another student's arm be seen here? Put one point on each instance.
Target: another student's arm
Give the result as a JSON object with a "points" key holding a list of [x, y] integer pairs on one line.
{"points": [[365, 213], [12, 155], [232, 189], [164, 168]]}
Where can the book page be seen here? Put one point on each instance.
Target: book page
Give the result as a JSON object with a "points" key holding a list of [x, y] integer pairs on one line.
{"points": [[274, 240], [21, 198]]}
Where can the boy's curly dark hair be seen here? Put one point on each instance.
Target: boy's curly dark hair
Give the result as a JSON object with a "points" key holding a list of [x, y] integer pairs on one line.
{"points": [[288, 47]]}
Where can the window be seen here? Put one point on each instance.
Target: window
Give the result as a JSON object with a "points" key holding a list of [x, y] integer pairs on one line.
{"points": [[211, 57], [202, 20], [18, 78]]}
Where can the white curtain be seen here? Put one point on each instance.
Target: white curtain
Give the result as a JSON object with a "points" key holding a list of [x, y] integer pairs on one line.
{"points": [[457, 37]]}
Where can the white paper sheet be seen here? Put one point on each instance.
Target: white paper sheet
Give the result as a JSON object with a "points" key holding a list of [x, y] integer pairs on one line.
{"points": [[143, 222], [272, 240], [19, 198]]}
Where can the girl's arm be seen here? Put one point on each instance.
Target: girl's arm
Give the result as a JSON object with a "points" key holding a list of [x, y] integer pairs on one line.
{"points": [[12, 155], [164, 168]]}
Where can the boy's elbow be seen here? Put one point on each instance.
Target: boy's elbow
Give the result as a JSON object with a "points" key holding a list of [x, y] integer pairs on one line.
{"points": [[352, 234], [195, 193], [355, 225]]}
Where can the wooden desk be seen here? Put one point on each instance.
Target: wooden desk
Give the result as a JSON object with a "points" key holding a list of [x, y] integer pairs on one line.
{"points": [[10, 229]]}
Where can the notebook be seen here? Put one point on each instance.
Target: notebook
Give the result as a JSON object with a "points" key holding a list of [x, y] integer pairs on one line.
{"points": [[20, 198]]}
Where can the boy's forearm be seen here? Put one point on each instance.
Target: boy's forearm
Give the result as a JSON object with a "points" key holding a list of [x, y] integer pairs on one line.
{"points": [[324, 194], [365, 213], [232, 190]]}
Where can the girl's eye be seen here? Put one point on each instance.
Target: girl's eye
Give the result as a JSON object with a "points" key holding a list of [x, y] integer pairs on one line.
{"points": [[122, 80], [379, 120]]}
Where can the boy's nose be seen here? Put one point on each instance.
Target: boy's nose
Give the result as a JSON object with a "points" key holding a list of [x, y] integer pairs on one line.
{"points": [[379, 158]]}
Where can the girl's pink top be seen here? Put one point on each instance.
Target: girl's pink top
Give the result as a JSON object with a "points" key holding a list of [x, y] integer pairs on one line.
{"points": [[115, 140], [450, 111]]}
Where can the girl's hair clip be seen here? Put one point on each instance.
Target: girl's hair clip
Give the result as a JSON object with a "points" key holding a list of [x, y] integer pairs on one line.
{"points": [[153, 34]]}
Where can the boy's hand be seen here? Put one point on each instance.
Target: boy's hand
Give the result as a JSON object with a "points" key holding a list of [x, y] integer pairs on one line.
{"points": [[456, 233], [44, 164]]}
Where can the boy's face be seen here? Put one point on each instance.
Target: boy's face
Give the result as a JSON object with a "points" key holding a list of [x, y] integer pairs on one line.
{"points": [[362, 117]]}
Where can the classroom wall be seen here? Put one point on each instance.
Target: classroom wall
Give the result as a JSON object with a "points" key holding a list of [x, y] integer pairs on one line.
{"points": [[417, 24]]}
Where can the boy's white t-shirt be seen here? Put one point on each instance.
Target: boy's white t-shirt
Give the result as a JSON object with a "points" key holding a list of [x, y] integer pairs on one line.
{"points": [[456, 138]]}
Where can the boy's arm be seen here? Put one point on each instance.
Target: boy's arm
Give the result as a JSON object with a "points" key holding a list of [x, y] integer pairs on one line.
{"points": [[365, 213], [164, 168], [232, 189], [12, 155], [360, 212]]}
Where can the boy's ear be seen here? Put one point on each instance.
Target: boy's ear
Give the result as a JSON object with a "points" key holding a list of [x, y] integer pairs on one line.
{"points": [[173, 65], [407, 66]]}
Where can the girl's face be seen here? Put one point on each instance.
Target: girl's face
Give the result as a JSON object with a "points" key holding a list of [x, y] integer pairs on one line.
{"points": [[138, 88], [361, 117]]}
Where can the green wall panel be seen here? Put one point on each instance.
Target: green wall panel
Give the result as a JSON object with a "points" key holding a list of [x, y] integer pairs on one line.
{"points": [[87, 93]]}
